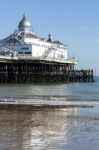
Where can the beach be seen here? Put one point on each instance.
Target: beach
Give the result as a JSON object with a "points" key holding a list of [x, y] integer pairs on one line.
{"points": [[49, 117]]}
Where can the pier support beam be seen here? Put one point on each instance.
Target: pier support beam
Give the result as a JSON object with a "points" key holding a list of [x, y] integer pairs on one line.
{"points": [[42, 71]]}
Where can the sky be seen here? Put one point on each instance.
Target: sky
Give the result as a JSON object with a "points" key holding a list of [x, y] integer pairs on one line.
{"points": [[73, 22]]}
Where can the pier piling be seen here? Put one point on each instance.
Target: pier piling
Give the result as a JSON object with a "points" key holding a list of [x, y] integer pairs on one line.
{"points": [[17, 71]]}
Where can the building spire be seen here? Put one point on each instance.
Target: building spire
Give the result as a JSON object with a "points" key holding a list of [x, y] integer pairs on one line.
{"points": [[24, 15], [50, 38]]}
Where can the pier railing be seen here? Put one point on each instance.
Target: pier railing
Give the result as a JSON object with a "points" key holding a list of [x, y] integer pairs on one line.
{"points": [[6, 58]]}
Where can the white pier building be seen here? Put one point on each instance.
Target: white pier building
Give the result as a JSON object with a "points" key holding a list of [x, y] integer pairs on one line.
{"points": [[24, 43]]}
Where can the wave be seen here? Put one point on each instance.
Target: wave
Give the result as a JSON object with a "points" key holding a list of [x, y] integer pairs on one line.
{"points": [[49, 100]]}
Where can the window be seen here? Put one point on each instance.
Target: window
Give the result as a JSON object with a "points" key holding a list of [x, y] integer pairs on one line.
{"points": [[20, 52], [25, 48], [27, 52], [60, 56]]}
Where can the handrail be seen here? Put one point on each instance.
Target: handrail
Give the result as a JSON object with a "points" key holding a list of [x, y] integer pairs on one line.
{"points": [[24, 57]]}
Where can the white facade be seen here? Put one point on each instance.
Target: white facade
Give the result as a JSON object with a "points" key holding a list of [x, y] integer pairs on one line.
{"points": [[25, 42]]}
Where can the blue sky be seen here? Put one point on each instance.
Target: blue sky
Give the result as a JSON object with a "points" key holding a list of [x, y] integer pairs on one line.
{"points": [[74, 22]]}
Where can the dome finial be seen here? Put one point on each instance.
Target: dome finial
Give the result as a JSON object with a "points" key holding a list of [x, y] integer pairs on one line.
{"points": [[24, 15]]}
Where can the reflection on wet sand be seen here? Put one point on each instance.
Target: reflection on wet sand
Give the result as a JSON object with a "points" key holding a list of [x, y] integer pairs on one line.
{"points": [[44, 129]]}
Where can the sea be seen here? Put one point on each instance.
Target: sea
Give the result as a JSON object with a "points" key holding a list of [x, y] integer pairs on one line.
{"points": [[66, 116]]}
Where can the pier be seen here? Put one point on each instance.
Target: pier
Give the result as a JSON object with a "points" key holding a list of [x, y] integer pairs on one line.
{"points": [[19, 70], [25, 57]]}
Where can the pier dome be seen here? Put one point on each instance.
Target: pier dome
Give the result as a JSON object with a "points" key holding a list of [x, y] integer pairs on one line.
{"points": [[25, 25]]}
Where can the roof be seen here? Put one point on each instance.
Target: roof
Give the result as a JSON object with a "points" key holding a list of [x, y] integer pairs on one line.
{"points": [[58, 42], [25, 31], [28, 35], [24, 23]]}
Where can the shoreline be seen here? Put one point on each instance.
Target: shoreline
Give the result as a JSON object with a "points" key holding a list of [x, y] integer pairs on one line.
{"points": [[41, 106]]}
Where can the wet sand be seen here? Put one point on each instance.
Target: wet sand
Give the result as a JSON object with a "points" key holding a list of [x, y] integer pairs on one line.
{"points": [[49, 129]]}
